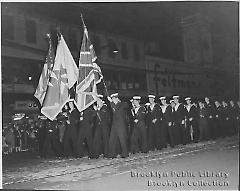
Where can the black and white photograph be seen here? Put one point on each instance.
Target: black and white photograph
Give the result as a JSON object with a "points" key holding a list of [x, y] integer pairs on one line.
{"points": [[119, 95]]}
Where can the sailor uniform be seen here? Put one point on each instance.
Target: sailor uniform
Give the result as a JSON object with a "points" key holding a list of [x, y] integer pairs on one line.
{"points": [[139, 135]]}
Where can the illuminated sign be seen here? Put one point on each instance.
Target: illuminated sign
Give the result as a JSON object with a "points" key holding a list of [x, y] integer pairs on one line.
{"points": [[25, 106]]}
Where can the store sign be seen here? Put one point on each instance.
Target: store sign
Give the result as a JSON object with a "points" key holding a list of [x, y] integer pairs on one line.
{"points": [[167, 77], [17, 88], [25, 106]]}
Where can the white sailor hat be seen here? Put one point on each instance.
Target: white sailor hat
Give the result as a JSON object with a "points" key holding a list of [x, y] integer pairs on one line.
{"points": [[163, 97], [187, 98], [147, 104], [71, 99], [176, 96], [136, 97], [171, 100], [114, 95], [131, 100], [151, 96], [100, 96]]}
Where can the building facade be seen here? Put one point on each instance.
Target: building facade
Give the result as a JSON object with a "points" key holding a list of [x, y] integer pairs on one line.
{"points": [[24, 47], [130, 70]]}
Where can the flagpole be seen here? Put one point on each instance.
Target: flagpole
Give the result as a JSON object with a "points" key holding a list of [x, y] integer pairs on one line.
{"points": [[83, 21]]}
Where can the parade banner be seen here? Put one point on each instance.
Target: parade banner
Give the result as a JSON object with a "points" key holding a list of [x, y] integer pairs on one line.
{"points": [[44, 78], [63, 77], [89, 75]]}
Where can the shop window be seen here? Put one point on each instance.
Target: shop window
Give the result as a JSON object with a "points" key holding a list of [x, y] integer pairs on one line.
{"points": [[31, 30], [115, 80], [129, 80], [136, 52], [124, 51], [139, 81], [8, 28], [123, 80]]}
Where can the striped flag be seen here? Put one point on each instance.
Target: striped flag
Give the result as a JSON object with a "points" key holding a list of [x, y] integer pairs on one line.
{"points": [[45, 75], [63, 77], [89, 75]]}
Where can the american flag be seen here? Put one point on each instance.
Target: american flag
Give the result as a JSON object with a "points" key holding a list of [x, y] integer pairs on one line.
{"points": [[89, 75], [45, 75]]}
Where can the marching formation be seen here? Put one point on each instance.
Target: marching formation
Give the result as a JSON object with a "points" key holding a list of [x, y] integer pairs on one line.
{"points": [[112, 127], [88, 125]]}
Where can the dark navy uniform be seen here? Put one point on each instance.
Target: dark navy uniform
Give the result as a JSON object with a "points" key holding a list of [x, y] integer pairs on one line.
{"points": [[168, 123], [192, 130], [41, 134], [226, 121], [102, 129], [118, 132], [139, 134], [233, 119], [211, 120], [153, 123], [180, 114], [70, 134], [203, 124], [52, 139], [218, 115], [85, 134]]}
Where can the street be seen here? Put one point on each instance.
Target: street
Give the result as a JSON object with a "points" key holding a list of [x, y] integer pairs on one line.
{"points": [[211, 165]]}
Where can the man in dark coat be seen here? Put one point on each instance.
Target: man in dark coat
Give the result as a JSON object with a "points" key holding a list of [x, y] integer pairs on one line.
{"points": [[139, 134], [233, 117], [85, 134], [210, 117], [167, 120], [70, 134], [52, 139], [41, 134], [192, 129], [119, 127], [102, 128], [180, 125], [155, 136], [218, 115], [226, 119]]}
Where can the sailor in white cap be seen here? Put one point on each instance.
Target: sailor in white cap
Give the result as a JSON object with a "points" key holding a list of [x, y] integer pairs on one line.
{"points": [[100, 96], [114, 98], [192, 131], [139, 134], [136, 103], [175, 97], [133, 107], [167, 121], [188, 101], [147, 106], [164, 103], [180, 115], [153, 121]]}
